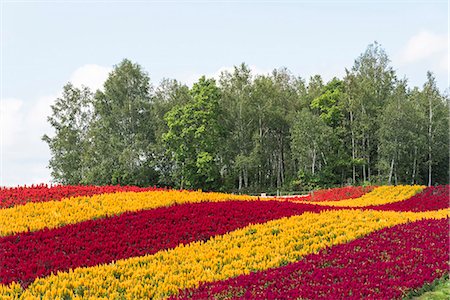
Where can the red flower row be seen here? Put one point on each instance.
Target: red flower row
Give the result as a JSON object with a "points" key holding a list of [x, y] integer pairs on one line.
{"points": [[23, 257], [335, 194], [432, 198], [381, 265], [42, 193]]}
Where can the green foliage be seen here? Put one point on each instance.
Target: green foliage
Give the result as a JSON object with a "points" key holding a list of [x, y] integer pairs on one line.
{"points": [[71, 115], [439, 289], [330, 104], [263, 133], [193, 137], [169, 94], [106, 138], [122, 132]]}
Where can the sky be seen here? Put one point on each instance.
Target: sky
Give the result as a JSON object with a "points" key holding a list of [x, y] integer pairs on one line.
{"points": [[45, 44]]}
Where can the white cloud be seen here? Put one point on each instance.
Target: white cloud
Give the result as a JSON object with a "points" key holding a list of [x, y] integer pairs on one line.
{"points": [[423, 45], [23, 123], [424, 51], [11, 119], [443, 63], [91, 75]]}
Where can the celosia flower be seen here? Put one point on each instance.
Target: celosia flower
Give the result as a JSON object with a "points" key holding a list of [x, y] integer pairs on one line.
{"points": [[381, 265], [254, 247], [27, 256]]}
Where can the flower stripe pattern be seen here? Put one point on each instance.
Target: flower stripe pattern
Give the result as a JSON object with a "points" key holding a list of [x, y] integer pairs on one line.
{"points": [[10, 197], [379, 196], [30, 255], [253, 248], [432, 198], [110, 243], [334, 194], [53, 214], [380, 265]]}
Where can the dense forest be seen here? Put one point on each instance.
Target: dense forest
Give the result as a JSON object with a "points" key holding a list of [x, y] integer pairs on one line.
{"points": [[247, 133]]}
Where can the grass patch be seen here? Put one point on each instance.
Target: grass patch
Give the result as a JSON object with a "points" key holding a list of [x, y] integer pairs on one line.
{"points": [[439, 289]]}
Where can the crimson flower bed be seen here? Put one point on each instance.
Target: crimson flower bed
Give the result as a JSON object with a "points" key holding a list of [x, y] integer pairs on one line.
{"points": [[431, 198], [382, 265], [41, 193], [335, 194], [23, 257]]}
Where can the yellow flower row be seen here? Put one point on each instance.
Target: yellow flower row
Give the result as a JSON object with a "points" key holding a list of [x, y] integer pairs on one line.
{"points": [[255, 247], [52, 214], [380, 195]]}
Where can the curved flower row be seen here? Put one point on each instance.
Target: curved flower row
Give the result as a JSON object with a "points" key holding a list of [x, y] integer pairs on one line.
{"points": [[378, 266], [52, 214], [380, 195], [41, 193], [255, 247], [431, 198], [30, 255], [334, 194]]}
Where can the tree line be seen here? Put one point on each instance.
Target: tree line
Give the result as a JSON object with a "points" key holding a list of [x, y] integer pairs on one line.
{"points": [[252, 133]]}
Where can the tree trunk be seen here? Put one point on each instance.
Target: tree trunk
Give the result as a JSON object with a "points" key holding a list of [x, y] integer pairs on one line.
{"points": [[324, 158], [278, 168], [240, 180], [282, 161], [364, 139], [430, 137], [391, 171], [182, 182], [278, 175], [353, 149], [260, 145], [282, 171], [364, 155], [364, 171], [378, 169], [414, 166], [368, 160], [313, 165], [245, 177]]}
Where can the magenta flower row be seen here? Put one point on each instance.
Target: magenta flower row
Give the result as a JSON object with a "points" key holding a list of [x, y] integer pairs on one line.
{"points": [[431, 198], [335, 194], [382, 265], [41, 193], [26, 256]]}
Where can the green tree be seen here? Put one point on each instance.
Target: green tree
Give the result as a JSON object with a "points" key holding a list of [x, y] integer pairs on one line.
{"points": [[282, 105], [71, 115], [122, 132], [310, 144], [239, 123], [169, 94], [274, 100], [436, 110], [193, 137], [253, 133], [399, 137], [368, 86], [330, 103]]}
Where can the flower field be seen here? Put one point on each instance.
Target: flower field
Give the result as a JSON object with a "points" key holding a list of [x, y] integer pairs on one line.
{"points": [[115, 242]]}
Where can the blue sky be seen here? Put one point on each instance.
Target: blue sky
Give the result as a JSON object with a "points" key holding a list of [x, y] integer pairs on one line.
{"points": [[48, 43]]}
